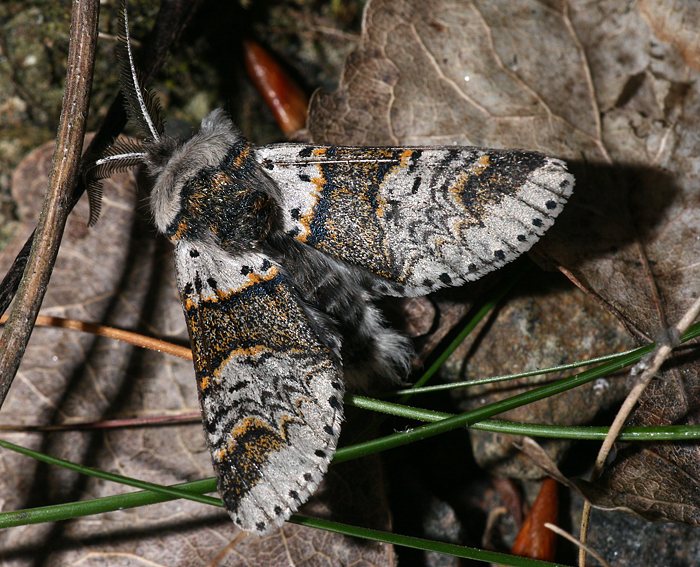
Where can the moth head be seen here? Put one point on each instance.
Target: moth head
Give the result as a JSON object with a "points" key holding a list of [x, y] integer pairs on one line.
{"points": [[173, 166]]}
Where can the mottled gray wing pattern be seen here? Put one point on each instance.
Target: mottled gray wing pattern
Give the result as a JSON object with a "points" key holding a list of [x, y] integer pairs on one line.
{"points": [[271, 390], [418, 218]]}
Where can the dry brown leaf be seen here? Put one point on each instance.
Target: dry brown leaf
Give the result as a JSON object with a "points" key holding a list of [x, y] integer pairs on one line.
{"points": [[111, 273], [675, 21], [588, 81]]}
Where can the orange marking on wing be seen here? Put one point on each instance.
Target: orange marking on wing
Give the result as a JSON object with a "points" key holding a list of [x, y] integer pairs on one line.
{"points": [[458, 186], [243, 351], [481, 164], [249, 351], [263, 445], [381, 203], [254, 278], [246, 424], [181, 229], [223, 295], [305, 220], [476, 169], [285, 422], [241, 157], [405, 157], [204, 383]]}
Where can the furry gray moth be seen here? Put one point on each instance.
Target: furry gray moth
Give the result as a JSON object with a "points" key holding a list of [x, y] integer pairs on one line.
{"points": [[280, 251]]}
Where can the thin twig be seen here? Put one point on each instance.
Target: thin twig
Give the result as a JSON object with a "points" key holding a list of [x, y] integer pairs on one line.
{"points": [[129, 337], [63, 177], [117, 423], [650, 366], [582, 546], [171, 20]]}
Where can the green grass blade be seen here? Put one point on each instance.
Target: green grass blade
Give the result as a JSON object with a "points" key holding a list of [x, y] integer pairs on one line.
{"points": [[70, 510], [96, 473], [578, 432], [422, 544], [507, 377], [487, 411], [489, 304]]}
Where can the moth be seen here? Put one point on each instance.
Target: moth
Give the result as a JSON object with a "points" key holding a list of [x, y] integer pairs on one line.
{"points": [[280, 252]]}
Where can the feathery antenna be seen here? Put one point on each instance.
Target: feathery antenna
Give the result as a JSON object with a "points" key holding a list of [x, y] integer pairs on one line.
{"points": [[142, 108], [121, 155]]}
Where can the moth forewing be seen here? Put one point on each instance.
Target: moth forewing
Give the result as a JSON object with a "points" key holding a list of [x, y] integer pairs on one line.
{"points": [[417, 218], [270, 390]]}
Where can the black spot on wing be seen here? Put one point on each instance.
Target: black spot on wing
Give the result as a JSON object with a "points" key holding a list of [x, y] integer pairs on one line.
{"points": [[416, 184], [413, 161], [210, 426], [238, 386]]}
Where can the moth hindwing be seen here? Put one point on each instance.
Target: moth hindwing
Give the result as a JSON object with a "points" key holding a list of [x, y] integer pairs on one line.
{"points": [[280, 251]]}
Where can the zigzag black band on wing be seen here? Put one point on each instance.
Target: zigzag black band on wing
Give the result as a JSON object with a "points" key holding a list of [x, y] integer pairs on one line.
{"points": [[349, 206]]}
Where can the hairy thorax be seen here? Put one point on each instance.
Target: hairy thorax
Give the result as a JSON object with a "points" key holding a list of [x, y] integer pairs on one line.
{"points": [[212, 189]]}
